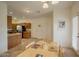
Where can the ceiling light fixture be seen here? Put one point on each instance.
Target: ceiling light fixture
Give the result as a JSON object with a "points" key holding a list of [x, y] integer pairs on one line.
{"points": [[55, 2], [10, 12], [43, 1], [45, 5], [28, 11]]}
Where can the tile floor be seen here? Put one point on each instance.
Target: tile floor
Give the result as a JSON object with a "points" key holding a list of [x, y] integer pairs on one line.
{"points": [[69, 52]]}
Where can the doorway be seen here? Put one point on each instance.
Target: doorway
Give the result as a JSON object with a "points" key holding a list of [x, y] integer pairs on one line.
{"points": [[75, 33]]}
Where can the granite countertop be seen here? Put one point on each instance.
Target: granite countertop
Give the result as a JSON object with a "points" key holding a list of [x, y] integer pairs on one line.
{"points": [[13, 34]]}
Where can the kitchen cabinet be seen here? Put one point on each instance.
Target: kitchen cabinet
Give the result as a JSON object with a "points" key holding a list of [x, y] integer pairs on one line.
{"points": [[14, 26], [26, 34], [9, 22], [28, 25], [14, 39]]}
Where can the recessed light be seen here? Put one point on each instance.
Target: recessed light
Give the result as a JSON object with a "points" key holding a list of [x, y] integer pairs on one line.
{"points": [[55, 2], [14, 18], [45, 5], [27, 11], [10, 12]]}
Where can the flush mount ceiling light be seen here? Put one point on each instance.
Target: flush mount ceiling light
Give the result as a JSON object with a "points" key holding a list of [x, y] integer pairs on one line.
{"points": [[43, 1], [10, 12], [45, 5], [27, 11], [55, 2]]}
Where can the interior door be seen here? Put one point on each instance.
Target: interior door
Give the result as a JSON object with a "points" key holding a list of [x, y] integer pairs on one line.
{"points": [[75, 30]]}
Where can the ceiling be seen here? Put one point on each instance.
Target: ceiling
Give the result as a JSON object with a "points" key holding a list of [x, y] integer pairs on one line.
{"points": [[18, 7]]}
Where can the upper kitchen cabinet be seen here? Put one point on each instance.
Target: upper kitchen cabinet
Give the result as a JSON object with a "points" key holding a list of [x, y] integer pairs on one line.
{"points": [[27, 25], [9, 22]]}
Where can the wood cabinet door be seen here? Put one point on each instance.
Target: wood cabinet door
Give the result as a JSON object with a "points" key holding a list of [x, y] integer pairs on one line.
{"points": [[14, 41], [9, 22], [26, 34], [27, 25]]}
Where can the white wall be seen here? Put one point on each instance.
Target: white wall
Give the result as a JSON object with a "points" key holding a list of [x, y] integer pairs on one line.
{"points": [[3, 27], [75, 9], [75, 12], [45, 29], [62, 35]]}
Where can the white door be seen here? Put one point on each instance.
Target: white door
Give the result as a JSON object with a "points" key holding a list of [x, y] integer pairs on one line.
{"points": [[75, 31]]}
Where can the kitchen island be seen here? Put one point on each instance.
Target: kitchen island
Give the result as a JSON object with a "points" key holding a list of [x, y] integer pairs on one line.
{"points": [[14, 39]]}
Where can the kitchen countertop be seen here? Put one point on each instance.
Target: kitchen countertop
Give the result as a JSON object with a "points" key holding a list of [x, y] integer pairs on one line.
{"points": [[13, 34]]}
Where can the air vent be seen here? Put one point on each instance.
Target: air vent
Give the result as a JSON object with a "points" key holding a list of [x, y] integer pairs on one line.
{"points": [[37, 11]]}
